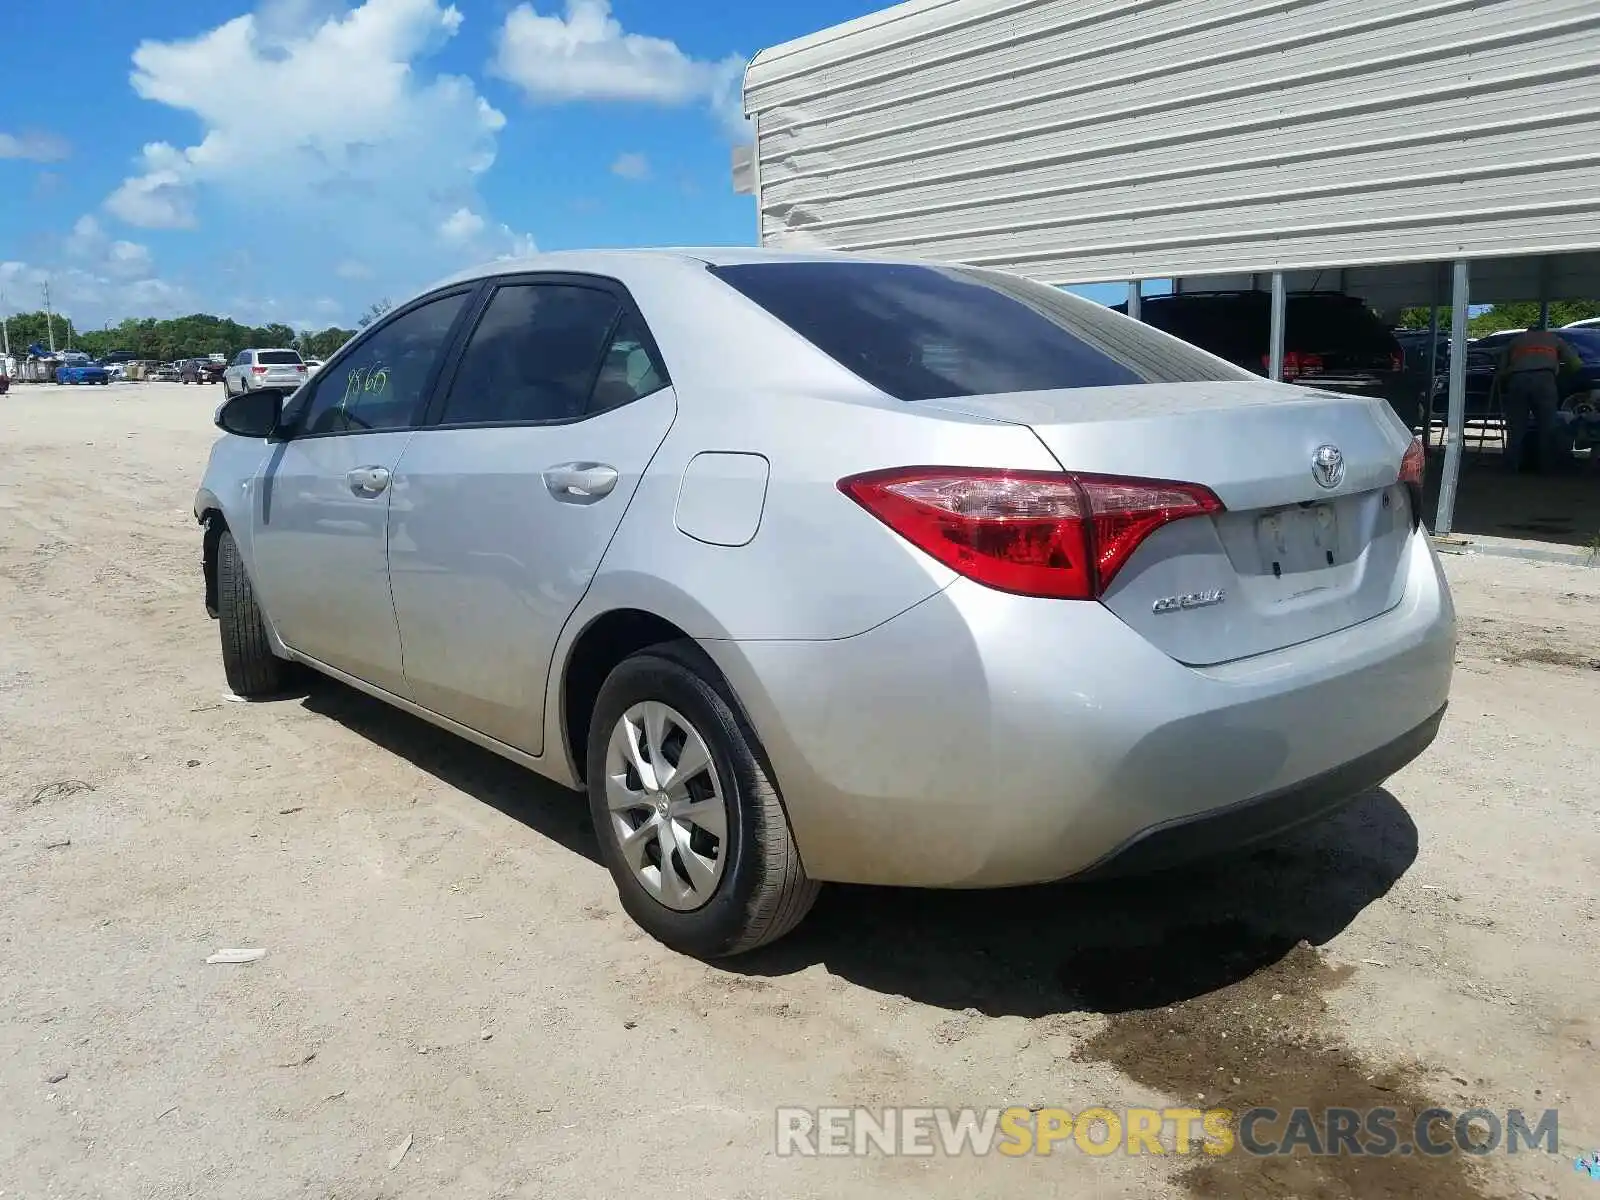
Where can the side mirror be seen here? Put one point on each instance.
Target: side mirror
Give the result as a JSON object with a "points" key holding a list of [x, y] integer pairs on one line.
{"points": [[255, 415]]}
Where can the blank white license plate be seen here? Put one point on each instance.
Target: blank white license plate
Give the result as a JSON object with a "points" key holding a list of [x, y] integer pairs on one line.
{"points": [[1299, 539]]}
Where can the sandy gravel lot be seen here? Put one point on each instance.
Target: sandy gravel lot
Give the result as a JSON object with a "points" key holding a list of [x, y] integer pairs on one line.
{"points": [[446, 961]]}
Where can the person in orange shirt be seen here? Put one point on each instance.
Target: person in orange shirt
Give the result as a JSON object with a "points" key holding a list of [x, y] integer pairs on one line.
{"points": [[1528, 382]]}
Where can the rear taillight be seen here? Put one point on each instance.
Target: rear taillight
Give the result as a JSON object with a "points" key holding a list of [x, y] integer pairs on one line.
{"points": [[1397, 361], [258, 370], [1295, 364], [1413, 473], [1033, 533]]}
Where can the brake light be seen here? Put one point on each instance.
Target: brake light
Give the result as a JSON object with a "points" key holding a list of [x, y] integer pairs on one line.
{"points": [[258, 370], [1295, 364], [1397, 360], [1413, 472], [1032, 533]]}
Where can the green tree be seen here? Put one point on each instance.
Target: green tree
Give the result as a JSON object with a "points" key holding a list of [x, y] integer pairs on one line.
{"points": [[374, 311], [323, 342], [26, 328], [1519, 315]]}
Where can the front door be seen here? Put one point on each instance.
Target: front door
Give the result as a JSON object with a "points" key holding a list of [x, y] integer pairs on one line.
{"points": [[503, 510], [320, 544]]}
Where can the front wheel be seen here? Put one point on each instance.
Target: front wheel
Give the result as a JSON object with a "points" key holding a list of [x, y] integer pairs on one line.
{"points": [[688, 818], [247, 659]]}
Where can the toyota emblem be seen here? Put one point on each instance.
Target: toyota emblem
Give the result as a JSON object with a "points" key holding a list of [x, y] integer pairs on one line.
{"points": [[1327, 466]]}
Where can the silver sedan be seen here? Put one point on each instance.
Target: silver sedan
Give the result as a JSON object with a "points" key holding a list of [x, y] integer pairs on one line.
{"points": [[820, 568]]}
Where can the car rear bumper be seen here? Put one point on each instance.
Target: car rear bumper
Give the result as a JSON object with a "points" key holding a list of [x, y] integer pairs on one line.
{"points": [[982, 739]]}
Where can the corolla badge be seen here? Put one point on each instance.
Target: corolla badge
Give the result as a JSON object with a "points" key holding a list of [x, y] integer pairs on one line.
{"points": [[1327, 466], [1169, 604]]}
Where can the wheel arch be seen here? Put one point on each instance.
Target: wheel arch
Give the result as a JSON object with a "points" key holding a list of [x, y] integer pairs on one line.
{"points": [[208, 511], [604, 641]]}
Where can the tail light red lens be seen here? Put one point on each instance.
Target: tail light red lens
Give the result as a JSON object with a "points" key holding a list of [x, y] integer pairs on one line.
{"points": [[1397, 361], [258, 370], [1033, 533], [1413, 473], [1414, 464], [1295, 364]]}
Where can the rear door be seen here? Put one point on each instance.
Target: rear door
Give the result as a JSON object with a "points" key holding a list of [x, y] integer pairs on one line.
{"points": [[321, 515], [505, 504]]}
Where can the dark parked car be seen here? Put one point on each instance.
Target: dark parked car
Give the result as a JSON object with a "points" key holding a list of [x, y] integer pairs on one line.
{"points": [[1331, 341], [201, 370]]}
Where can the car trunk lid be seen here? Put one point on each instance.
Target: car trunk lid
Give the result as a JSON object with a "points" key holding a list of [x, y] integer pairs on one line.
{"points": [[1292, 558]]}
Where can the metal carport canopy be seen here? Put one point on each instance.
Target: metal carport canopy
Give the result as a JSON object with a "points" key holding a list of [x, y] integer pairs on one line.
{"points": [[1084, 141], [1078, 141]]}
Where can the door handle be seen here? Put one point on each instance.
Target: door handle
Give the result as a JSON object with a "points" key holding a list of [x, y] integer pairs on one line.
{"points": [[368, 481], [580, 482]]}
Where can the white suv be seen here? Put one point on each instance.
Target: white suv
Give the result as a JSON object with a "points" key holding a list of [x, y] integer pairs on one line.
{"points": [[251, 369]]}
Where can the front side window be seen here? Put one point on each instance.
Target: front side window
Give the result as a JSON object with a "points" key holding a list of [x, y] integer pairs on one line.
{"points": [[382, 382], [925, 332], [534, 357]]}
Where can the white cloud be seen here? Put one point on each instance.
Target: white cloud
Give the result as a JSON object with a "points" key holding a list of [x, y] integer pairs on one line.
{"points": [[33, 145], [514, 244], [92, 295], [352, 269], [89, 243], [86, 238], [129, 260], [587, 55], [461, 226], [631, 166], [160, 198], [322, 125]]}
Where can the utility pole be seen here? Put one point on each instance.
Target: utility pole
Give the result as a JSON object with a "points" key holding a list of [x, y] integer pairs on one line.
{"points": [[5, 327], [49, 324]]}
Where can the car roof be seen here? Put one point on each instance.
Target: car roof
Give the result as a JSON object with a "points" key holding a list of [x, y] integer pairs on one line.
{"points": [[622, 264]]}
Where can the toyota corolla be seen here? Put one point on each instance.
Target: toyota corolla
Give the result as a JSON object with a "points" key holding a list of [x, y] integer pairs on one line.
{"points": [[818, 568]]}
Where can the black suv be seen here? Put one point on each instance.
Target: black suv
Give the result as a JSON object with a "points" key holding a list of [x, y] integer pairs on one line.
{"points": [[1331, 341]]}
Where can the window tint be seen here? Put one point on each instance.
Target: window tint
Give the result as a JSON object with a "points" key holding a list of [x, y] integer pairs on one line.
{"points": [[533, 357], [1585, 344], [277, 357], [380, 383], [919, 333], [1239, 327], [629, 369]]}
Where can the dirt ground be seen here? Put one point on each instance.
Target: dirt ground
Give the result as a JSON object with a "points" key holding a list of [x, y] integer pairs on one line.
{"points": [[446, 962]]}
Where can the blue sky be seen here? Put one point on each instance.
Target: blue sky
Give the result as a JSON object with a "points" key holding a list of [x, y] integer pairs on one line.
{"points": [[296, 160]]}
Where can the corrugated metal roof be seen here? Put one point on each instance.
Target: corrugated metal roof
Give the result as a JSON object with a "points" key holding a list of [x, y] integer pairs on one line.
{"points": [[1083, 140]]}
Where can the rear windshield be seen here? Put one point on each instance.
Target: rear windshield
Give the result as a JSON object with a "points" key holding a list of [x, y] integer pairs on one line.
{"points": [[1239, 327], [1585, 344], [274, 358], [926, 332]]}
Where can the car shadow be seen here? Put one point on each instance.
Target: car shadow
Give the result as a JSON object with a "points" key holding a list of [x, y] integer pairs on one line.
{"points": [[1108, 946], [544, 807]]}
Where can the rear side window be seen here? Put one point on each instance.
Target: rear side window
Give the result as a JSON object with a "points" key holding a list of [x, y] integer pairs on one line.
{"points": [[277, 358], [925, 332]]}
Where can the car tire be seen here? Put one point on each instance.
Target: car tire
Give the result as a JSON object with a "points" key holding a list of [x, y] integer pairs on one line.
{"points": [[761, 890], [253, 670]]}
